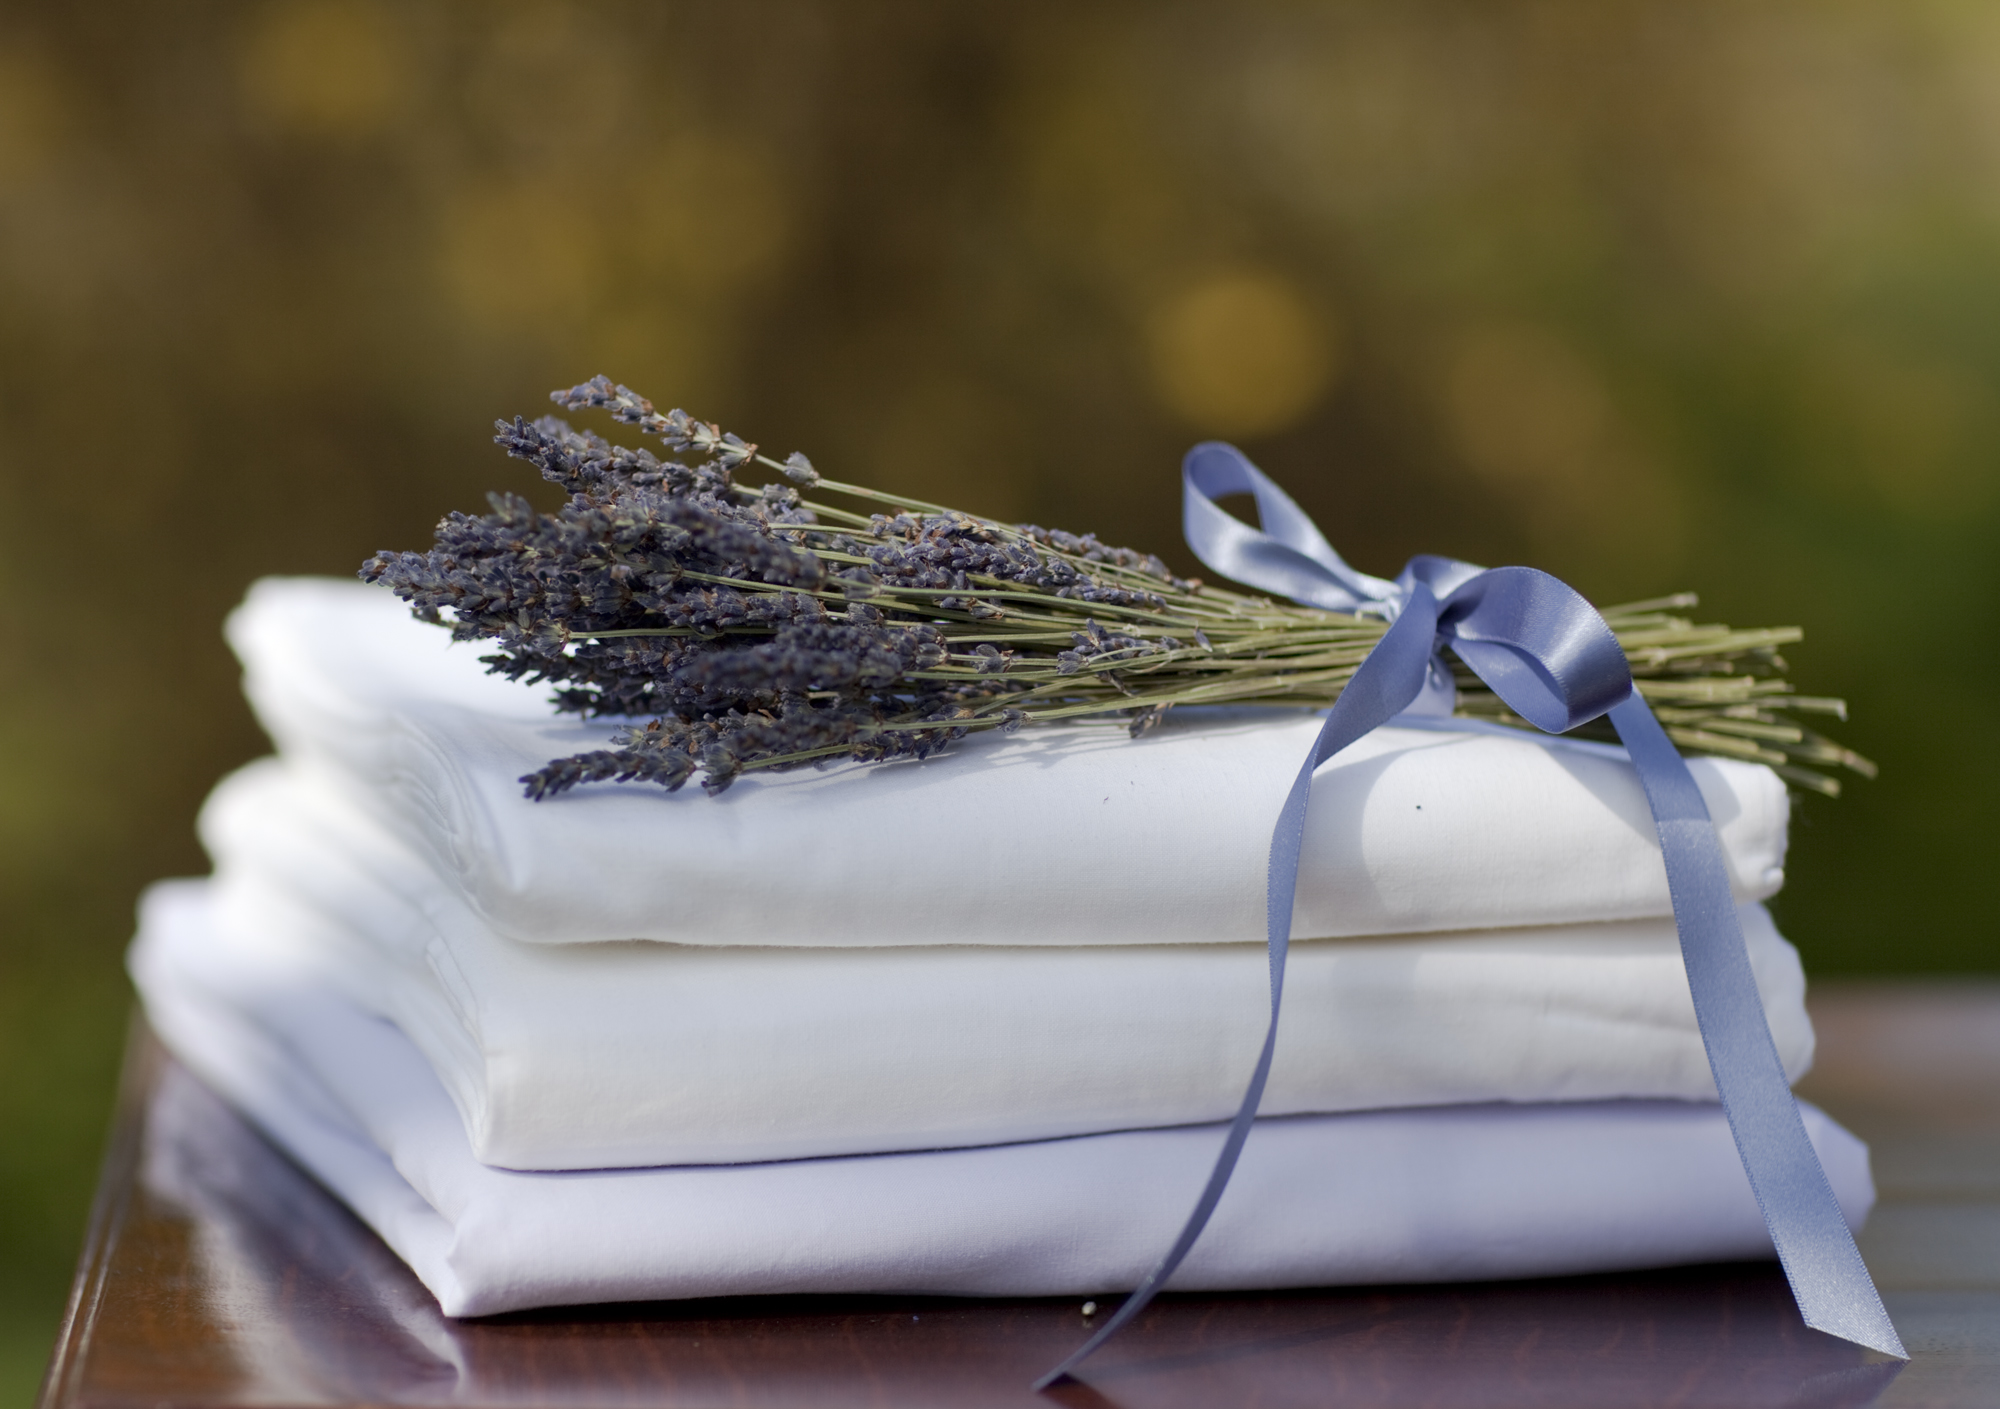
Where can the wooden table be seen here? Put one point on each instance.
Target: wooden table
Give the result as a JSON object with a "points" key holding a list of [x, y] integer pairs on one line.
{"points": [[217, 1274]]}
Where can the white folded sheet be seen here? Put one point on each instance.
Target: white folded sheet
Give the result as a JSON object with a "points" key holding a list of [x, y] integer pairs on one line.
{"points": [[635, 1053], [1442, 1194], [1051, 836]]}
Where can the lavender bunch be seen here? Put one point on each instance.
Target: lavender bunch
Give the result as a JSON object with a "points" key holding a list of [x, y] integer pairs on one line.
{"points": [[733, 626]]}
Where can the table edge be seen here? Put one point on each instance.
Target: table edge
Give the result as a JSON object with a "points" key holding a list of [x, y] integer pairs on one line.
{"points": [[116, 1182]]}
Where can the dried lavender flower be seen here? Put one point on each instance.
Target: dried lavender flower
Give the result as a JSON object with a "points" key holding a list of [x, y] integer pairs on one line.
{"points": [[738, 627]]}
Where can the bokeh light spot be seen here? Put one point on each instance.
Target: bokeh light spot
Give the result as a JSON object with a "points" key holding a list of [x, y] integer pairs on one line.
{"points": [[1535, 421], [1241, 353], [710, 215], [31, 116], [511, 262], [323, 68], [1524, 408], [1892, 428]]}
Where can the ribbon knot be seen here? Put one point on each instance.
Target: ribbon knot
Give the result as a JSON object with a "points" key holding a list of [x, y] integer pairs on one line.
{"points": [[1539, 645], [1551, 658]]}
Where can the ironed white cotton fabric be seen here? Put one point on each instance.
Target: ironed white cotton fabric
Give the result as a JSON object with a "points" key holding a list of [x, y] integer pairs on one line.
{"points": [[1052, 836], [1442, 1194], [582, 1056]]}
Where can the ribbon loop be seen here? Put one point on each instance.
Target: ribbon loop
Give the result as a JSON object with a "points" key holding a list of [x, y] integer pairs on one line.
{"points": [[1552, 659], [1288, 556], [1544, 649]]}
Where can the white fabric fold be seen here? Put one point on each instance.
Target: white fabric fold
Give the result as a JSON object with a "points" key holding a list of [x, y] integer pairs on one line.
{"points": [[1445, 1194], [1052, 836], [583, 1056]]}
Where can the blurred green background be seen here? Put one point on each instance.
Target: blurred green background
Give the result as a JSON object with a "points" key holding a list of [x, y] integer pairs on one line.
{"points": [[1653, 295]]}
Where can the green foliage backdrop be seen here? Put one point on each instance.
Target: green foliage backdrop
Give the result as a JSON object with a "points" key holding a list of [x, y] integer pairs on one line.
{"points": [[1654, 294]]}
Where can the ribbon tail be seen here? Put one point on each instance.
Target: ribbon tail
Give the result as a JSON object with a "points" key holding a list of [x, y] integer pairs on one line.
{"points": [[1384, 685], [1828, 1278]]}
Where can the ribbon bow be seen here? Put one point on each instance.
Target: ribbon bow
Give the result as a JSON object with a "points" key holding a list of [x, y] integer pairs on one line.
{"points": [[1551, 658]]}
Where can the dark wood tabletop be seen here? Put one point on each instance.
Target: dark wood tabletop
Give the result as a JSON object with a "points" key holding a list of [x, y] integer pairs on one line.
{"points": [[217, 1274]]}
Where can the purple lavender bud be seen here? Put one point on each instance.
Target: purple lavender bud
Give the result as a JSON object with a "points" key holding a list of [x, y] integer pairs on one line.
{"points": [[1147, 719]]}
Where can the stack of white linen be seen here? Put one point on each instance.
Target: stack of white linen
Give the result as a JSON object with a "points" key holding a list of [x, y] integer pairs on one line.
{"points": [[956, 1026]]}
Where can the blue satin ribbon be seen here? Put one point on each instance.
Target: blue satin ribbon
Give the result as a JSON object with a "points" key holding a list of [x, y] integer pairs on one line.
{"points": [[1550, 657]]}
